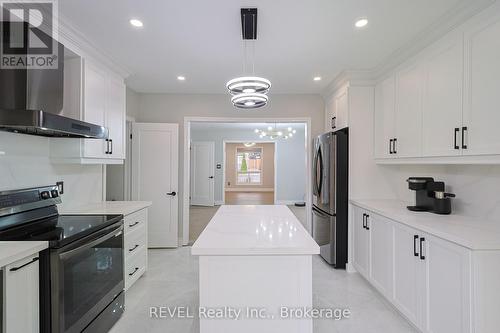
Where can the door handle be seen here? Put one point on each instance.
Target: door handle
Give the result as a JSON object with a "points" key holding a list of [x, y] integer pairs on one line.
{"points": [[367, 222], [364, 221], [111, 145], [26, 264], [135, 271], [211, 177], [173, 194], [415, 238], [107, 147], [132, 249], [464, 129], [422, 256], [390, 146], [455, 138], [394, 150]]}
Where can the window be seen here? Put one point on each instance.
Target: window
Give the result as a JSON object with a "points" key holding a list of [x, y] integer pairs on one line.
{"points": [[249, 166]]}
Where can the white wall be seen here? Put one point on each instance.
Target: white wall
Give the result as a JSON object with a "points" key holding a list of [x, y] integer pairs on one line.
{"points": [[172, 108], [290, 159], [24, 163]]}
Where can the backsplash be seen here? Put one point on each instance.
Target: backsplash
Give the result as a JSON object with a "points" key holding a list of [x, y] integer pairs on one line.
{"points": [[24, 162], [476, 186]]}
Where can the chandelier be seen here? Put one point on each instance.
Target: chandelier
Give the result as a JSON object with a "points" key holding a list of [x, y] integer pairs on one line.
{"points": [[274, 133], [249, 92]]}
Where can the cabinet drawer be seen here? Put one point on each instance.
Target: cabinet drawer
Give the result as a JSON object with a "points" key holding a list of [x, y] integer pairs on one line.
{"points": [[135, 241], [135, 266], [136, 220]]}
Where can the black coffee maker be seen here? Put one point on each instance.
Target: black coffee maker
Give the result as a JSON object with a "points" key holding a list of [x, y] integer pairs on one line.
{"points": [[430, 195]]}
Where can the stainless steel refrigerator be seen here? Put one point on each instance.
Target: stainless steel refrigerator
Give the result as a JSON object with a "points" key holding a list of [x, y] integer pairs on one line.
{"points": [[330, 195]]}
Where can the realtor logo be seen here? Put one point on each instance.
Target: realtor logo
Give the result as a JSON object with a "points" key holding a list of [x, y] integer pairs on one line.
{"points": [[28, 34]]}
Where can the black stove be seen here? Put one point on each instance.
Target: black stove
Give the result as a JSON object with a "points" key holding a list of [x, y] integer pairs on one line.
{"points": [[81, 273]]}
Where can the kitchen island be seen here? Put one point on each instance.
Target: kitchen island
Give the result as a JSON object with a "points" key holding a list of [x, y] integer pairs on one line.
{"points": [[255, 266]]}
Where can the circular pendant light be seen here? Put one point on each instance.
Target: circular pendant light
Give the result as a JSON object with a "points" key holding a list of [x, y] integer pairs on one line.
{"points": [[249, 100], [248, 85]]}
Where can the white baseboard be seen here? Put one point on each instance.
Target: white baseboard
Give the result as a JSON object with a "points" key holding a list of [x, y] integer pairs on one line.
{"points": [[219, 203], [249, 189], [288, 202], [350, 268]]}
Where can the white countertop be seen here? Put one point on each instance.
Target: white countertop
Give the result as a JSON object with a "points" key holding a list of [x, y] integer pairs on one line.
{"points": [[108, 208], [13, 251], [254, 230], [473, 233]]}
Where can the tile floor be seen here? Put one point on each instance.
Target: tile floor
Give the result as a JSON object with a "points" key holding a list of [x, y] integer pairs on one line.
{"points": [[172, 279]]}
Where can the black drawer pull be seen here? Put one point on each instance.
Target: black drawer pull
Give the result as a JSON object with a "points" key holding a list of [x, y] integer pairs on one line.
{"points": [[364, 221], [455, 134], [464, 146], [390, 147], [415, 238], [394, 150], [367, 222], [422, 240], [134, 224], [26, 264], [135, 247], [135, 271]]}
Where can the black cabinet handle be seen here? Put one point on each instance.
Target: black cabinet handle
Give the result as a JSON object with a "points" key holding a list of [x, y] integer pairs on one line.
{"points": [[13, 269], [135, 271], [464, 146], [415, 238], [135, 247], [173, 194], [111, 150], [334, 122], [455, 137], [367, 222], [107, 147], [211, 177], [364, 221], [422, 256], [394, 150], [133, 224], [390, 146]]}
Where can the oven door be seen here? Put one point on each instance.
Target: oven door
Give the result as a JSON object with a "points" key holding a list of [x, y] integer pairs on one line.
{"points": [[87, 278]]}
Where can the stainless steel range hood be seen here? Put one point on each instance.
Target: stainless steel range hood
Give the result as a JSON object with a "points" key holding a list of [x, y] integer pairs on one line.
{"points": [[31, 102]]}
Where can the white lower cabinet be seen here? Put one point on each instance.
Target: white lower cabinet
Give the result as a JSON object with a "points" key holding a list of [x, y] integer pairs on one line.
{"points": [[135, 246], [428, 279], [21, 295]]}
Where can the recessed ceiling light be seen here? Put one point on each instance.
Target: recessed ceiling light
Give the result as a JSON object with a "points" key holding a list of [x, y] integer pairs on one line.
{"points": [[136, 23], [317, 78], [181, 78], [361, 22]]}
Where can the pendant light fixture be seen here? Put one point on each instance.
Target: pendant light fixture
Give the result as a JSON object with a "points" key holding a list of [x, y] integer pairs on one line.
{"points": [[249, 92]]}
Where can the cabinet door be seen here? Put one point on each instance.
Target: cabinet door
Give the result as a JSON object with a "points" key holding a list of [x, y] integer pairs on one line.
{"points": [[21, 296], [409, 112], [482, 77], [115, 116], [381, 252], [442, 103], [385, 94], [448, 306], [342, 109], [406, 272], [94, 110], [361, 243]]}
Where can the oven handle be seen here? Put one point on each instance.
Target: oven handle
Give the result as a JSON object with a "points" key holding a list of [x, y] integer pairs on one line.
{"points": [[85, 246]]}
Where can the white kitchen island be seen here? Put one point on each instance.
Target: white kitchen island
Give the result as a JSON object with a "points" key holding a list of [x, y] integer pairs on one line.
{"points": [[255, 269]]}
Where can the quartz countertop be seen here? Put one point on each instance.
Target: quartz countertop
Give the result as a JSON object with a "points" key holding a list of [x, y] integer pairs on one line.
{"points": [[254, 230], [107, 208], [12, 251], [470, 232]]}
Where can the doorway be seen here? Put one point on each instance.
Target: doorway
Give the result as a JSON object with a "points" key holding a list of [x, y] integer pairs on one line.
{"points": [[249, 173]]}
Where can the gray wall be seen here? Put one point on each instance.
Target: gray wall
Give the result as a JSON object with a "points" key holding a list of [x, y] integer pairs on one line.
{"points": [[172, 108], [290, 160]]}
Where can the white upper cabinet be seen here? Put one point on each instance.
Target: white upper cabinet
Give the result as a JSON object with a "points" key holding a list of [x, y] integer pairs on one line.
{"points": [[408, 140], [442, 100], [94, 108], [337, 110], [482, 77], [385, 96], [92, 94]]}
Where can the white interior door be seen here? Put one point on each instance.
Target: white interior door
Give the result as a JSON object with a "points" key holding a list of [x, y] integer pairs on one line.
{"points": [[202, 173], [155, 178]]}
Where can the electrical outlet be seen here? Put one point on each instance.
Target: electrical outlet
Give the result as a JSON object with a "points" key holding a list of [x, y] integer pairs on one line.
{"points": [[60, 187]]}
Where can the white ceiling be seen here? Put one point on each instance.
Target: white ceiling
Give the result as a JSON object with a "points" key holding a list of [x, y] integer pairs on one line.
{"points": [[204, 126], [201, 39]]}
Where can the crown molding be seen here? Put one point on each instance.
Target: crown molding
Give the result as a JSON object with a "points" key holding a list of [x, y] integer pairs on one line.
{"points": [[74, 40], [445, 24]]}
